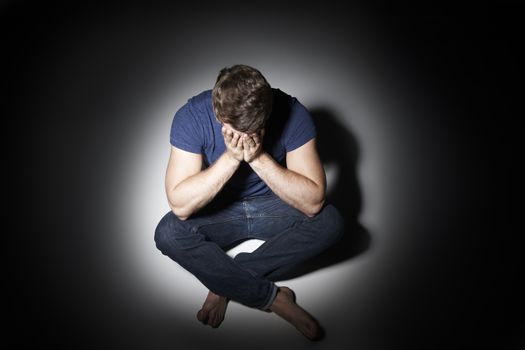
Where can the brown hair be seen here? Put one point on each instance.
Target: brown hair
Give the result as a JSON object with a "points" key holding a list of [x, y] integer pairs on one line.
{"points": [[243, 98]]}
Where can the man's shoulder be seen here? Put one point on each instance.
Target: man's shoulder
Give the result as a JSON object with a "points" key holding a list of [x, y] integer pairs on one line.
{"points": [[201, 99], [281, 98], [279, 93], [198, 105]]}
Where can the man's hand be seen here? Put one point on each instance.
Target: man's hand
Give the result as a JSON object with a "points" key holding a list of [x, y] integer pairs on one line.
{"points": [[252, 145], [234, 144]]}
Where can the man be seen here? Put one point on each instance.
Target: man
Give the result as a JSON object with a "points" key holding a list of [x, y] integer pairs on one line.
{"points": [[244, 165]]}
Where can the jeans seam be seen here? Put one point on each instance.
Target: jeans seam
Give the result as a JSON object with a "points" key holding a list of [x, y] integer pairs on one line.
{"points": [[197, 227]]}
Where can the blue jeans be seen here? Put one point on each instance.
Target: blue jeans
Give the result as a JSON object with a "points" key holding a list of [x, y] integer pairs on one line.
{"points": [[199, 243]]}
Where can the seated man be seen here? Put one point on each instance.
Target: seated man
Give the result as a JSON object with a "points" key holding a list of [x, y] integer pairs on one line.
{"points": [[244, 165]]}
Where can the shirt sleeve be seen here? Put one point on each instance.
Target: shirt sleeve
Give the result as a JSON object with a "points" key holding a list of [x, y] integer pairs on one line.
{"points": [[186, 133], [300, 127]]}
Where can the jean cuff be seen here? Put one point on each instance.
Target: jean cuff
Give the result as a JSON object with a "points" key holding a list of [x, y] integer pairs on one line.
{"points": [[273, 293]]}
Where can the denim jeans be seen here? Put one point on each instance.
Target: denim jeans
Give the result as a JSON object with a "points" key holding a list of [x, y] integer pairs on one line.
{"points": [[199, 243]]}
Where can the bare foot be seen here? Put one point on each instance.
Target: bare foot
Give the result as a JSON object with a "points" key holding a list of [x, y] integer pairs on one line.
{"points": [[284, 305], [213, 310]]}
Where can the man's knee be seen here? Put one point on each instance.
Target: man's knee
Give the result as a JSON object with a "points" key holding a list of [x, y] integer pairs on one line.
{"points": [[331, 221], [162, 233], [165, 233]]}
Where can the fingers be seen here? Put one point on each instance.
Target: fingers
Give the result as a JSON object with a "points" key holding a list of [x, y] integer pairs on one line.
{"points": [[256, 140], [247, 141], [237, 140], [234, 139], [227, 134], [253, 141]]}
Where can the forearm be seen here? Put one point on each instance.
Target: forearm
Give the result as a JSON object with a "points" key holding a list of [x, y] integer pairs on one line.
{"points": [[295, 189], [198, 190]]}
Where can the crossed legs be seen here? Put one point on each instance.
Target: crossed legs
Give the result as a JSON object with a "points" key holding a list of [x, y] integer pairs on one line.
{"points": [[247, 279]]}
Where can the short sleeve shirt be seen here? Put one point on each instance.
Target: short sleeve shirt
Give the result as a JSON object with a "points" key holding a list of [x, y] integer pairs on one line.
{"points": [[195, 129]]}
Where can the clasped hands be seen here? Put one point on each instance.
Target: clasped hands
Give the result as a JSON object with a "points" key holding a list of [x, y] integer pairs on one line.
{"points": [[243, 146]]}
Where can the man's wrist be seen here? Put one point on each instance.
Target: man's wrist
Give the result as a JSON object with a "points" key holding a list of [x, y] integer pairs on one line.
{"points": [[255, 161], [231, 159]]}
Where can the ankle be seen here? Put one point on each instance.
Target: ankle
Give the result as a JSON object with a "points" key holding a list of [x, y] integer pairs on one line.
{"points": [[280, 299]]}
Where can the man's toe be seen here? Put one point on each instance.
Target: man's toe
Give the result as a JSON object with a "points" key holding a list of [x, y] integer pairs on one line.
{"points": [[202, 316], [214, 320]]}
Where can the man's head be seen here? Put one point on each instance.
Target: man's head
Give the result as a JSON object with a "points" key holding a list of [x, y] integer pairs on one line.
{"points": [[242, 98]]}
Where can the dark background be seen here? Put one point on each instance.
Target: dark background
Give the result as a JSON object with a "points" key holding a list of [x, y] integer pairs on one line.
{"points": [[58, 155]]}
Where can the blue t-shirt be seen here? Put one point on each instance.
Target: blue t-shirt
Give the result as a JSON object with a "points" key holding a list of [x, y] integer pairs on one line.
{"points": [[195, 129]]}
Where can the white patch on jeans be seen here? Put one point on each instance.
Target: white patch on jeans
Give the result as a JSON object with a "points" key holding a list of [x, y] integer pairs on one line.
{"points": [[247, 246]]}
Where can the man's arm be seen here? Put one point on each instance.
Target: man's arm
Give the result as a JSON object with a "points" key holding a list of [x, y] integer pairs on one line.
{"points": [[302, 184], [187, 194]]}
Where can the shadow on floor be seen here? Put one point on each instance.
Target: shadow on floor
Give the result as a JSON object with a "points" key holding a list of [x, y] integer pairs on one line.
{"points": [[338, 149]]}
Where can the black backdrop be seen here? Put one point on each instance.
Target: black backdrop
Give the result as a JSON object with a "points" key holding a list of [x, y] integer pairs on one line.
{"points": [[57, 160]]}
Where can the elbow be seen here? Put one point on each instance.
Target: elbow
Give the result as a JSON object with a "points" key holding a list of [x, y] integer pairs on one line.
{"points": [[318, 204], [182, 218], [181, 213], [315, 209], [178, 214]]}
